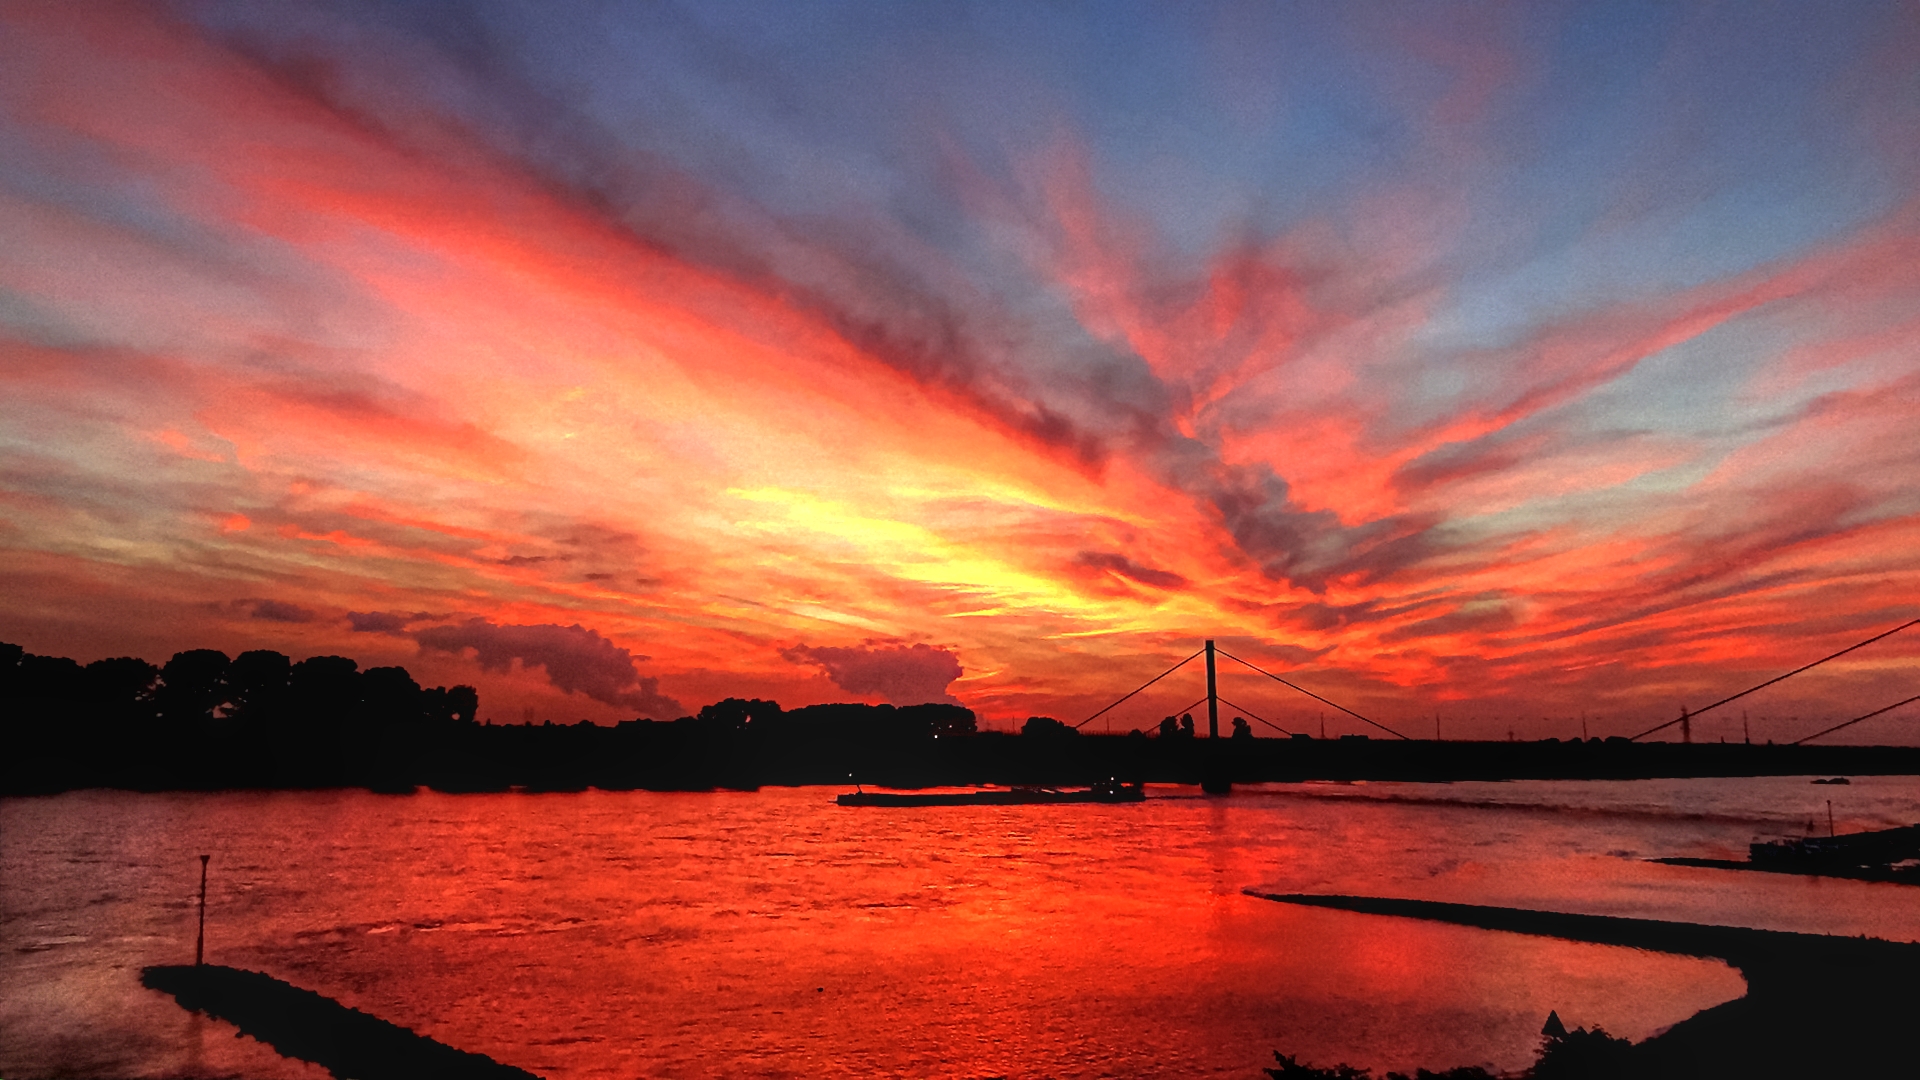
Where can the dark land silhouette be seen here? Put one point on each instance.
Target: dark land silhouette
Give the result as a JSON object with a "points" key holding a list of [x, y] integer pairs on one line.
{"points": [[1816, 1006], [1891, 855], [302, 1024], [205, 721], [1892, 875], [1580, 1054]]}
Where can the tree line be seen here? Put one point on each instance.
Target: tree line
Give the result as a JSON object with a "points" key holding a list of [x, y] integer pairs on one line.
{"points": [[202, 719], [261, 720]]}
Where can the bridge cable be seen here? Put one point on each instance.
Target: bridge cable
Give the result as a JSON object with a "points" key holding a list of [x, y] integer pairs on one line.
{"points": [[1775, 679], [1191, 708], [1141, 687], [1250, 712], [1196, 704], [1311, 694], [1856, 720]]}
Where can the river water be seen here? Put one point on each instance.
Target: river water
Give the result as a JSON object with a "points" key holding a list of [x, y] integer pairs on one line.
{"points": [[774, 934]]}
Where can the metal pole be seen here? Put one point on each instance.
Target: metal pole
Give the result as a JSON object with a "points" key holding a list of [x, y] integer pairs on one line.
{"points": [[1213, 697], [200, 943]]}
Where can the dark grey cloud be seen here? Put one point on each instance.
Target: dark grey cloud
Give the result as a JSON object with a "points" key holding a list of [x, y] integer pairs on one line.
{"points": [[1256, 506], [531, 560], [381, 622], [903, 674], [1489, 615], [577, 660], [1115, 563], [275, 611], [1319, 616]]}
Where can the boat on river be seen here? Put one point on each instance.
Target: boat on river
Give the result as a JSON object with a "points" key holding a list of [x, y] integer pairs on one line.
{"points": [[1110, 792]]}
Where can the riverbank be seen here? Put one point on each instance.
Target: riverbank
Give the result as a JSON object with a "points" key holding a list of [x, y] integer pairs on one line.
{"points": [[1816, 1005], [692, 756]]}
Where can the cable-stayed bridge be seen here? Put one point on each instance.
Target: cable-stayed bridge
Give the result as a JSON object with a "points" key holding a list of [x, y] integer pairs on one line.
{"points": [[1212, 699]]}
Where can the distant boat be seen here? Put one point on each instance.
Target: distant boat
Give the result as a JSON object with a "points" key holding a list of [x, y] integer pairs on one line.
{"points": [[1111, 792]]}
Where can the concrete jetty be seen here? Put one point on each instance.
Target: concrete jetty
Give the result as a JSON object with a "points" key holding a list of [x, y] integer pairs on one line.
{"points": [[305, 1025]]}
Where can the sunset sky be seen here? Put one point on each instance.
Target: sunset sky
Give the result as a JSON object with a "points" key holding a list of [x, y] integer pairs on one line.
{"points": [[1502, 362]]}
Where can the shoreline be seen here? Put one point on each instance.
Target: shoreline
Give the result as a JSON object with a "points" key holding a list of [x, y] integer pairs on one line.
{"points": [[1816, 1005]]}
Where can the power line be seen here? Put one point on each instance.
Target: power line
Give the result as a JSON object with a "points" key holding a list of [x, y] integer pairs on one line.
{"points": [[1136, 690], [1775, 679], [1856, 720], [1313, 695], [1250, 712]]}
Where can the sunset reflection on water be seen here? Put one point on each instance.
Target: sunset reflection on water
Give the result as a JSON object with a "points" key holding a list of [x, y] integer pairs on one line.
{"points": [[772, 933]]}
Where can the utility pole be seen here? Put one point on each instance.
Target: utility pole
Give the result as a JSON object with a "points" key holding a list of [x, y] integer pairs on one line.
{"points": [[1213, 696], [200, 942]]}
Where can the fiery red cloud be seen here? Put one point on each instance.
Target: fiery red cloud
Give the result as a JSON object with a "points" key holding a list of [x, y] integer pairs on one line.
{"points": [[320, 337]]}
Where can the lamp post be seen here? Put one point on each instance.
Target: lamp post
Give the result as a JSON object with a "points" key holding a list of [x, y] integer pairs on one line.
{"points": [[200, 942]]}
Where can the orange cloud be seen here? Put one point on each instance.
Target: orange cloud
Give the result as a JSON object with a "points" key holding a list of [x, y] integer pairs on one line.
{"points": [[399, 370]]}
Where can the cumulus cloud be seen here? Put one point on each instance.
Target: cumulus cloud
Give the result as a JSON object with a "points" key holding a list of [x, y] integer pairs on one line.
{"points": [[903, 674], [577, 660]]}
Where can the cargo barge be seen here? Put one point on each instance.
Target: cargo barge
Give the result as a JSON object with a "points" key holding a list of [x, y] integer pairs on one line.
{"points": [[1016, 796]]}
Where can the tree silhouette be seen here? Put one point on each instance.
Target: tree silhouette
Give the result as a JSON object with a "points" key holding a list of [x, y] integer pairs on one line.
{"points": [[258, 684], [192, 685]]}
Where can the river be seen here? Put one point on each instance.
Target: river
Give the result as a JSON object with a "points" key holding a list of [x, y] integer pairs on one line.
{"points": [[774, 934]]}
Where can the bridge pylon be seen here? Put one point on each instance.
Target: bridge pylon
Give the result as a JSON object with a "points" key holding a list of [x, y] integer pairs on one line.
{"points": [[1215, 777], [1213, 697]]}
